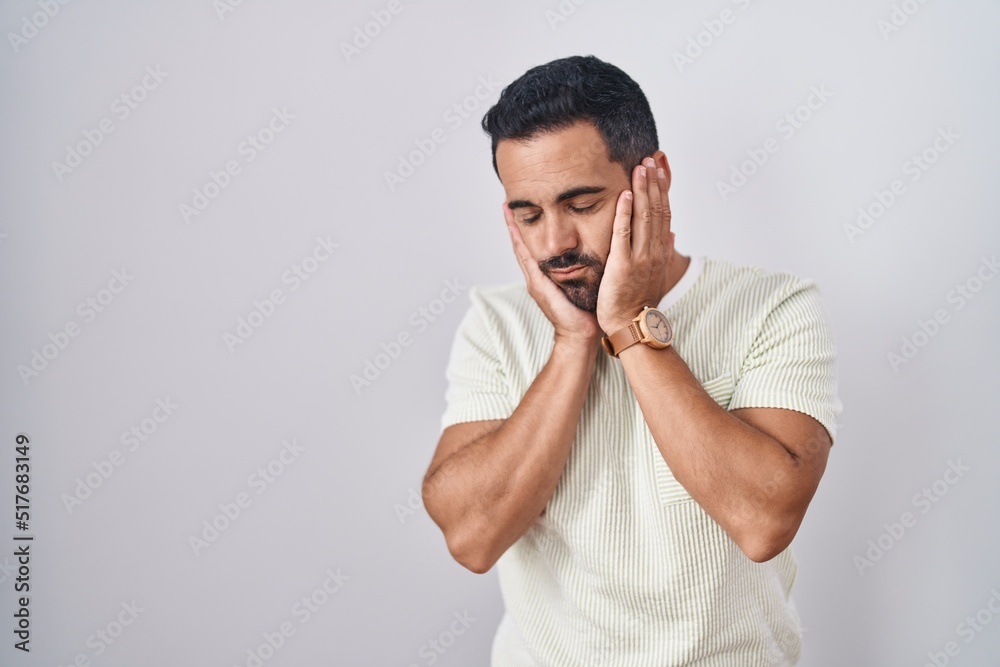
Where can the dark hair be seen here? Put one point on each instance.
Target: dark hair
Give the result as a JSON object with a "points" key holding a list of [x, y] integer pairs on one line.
{"points": [[558, 94]]}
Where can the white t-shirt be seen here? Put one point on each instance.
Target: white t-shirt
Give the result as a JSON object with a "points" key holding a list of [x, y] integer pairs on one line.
{"points": [[625, 568]]}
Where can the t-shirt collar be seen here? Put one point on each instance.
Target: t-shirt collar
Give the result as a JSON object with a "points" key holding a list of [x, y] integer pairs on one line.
{"points": [[691, 274]]}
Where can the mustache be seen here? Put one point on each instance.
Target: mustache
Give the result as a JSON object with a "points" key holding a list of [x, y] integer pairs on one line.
{"points": [[568, 259]]}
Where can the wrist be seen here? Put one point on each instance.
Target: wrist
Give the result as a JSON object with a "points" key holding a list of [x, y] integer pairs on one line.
{"points": [[577, 344], [619, 321], [615, 325], [650, 327]]}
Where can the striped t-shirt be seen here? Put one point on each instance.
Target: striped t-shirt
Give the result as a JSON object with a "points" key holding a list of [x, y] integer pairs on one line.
{"points": [[625, 568]]}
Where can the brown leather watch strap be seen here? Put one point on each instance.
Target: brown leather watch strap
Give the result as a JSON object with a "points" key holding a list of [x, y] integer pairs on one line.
{"points": [[624, 338]]}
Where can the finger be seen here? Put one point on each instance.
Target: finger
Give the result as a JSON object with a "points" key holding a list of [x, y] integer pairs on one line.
{"points": [[640, 207], [661, 213], [621, 230], [655, 209]]}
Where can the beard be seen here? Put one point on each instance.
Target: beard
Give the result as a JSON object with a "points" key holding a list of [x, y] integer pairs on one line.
{"points": [[581, 292]]}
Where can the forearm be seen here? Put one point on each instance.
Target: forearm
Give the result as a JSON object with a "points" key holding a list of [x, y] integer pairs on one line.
{"points": [[488, 493], [747, 481]]}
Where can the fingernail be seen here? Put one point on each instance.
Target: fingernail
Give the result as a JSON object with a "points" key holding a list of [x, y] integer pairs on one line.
{"points": [[642, 172], [628, 194], [661, 173]]}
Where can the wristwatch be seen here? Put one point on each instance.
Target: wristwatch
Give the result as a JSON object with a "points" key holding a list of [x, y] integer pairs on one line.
{"points": [[650, 327]]}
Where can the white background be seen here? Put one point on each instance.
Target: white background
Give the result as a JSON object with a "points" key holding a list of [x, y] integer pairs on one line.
{"points": [[339, 503]]}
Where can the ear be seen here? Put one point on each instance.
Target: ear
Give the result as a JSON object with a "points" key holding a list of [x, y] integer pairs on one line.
{"points": [[660, 158]]}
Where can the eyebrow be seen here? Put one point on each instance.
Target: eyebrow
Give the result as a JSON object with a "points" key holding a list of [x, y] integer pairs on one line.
{"points": [[563, 196]]}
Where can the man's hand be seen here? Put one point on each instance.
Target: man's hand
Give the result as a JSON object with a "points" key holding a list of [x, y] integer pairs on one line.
{"points": [[642, 248], [570, 322]]}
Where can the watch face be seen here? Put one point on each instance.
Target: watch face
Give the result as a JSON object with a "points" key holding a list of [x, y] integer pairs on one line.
{"points": [[658, 325]]}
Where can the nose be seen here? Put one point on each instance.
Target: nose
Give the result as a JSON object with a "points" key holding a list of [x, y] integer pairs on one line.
{"points": [[560, 235]]}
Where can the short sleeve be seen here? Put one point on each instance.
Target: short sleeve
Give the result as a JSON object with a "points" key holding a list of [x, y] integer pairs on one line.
{"points": [[477, 382], [792, 361]]}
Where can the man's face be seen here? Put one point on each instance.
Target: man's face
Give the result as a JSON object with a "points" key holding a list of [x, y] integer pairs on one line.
{"points": [[563, 190]]}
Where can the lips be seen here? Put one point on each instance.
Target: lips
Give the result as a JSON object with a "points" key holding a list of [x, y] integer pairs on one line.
{"points": [[565, 273]]}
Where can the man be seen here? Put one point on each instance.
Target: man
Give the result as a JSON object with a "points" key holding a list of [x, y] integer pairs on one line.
{"points": [[636, 476]]}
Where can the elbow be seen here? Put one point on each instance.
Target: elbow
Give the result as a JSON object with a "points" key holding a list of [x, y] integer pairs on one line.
{"points": [[470, 552], [466, 545], [762, 551], [769, 538], [477, 563]]}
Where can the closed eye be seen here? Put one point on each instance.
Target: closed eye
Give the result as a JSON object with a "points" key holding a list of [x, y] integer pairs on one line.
{"points": [[574, 209]]}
